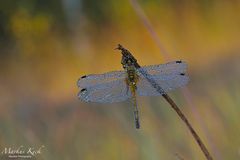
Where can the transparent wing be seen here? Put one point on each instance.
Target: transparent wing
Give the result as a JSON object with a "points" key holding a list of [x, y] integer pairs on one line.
{"points": [[168, 76], [103, 88], [167, 68], [96, 79], [109, 92]]}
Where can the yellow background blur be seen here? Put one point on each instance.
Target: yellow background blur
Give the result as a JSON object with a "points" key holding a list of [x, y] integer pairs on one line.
{"points": [[46, 45]]}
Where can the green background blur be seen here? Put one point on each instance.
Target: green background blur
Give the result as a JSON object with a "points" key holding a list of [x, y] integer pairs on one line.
{"points": [[46, 45]]}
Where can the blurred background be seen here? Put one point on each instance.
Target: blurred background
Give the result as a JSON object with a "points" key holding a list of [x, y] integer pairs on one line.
{"points": [[46, 45]]}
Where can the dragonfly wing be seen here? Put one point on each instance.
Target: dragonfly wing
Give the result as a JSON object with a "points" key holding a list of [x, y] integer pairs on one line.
{"points": [[103, 88], [168, 76], [167, 68], [96, 79]]}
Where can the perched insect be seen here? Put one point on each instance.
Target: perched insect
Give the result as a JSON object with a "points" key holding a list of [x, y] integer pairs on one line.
{"points": [[117, 86]]}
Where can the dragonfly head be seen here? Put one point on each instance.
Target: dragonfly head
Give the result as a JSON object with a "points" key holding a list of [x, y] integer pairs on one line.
{"points": [[127, 57], [124, 51]]}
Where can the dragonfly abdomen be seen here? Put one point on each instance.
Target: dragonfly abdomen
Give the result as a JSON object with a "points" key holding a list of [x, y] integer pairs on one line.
{"points": [[132, 82]]}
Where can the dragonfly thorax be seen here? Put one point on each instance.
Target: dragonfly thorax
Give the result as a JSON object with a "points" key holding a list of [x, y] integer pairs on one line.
{"points": [[132, 74], [127, 62]]}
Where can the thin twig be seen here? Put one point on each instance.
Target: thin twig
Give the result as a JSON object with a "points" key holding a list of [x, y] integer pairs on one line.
{"points": [[153, 34], [186, 92], [193, 132], [158, 88]]}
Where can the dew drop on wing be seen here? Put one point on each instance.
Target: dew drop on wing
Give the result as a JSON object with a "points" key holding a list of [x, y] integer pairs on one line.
{"points": [[84, 76]]}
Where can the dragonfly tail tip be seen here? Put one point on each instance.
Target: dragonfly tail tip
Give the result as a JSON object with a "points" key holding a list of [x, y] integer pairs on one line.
{"points": [[137, 124]]}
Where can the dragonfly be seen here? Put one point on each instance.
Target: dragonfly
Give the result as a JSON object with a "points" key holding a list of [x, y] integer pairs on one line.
{"points": [[118, 86]]}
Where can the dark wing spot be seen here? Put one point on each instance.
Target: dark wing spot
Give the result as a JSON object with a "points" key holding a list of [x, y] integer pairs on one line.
{"points": [[182, 74], [178, 61], [82, 90], [84, 76]]}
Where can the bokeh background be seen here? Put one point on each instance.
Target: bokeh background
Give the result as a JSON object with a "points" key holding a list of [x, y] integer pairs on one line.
{"points": [[46, 45]]}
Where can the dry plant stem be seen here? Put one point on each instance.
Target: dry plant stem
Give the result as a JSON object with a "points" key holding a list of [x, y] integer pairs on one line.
{"points": [[153, 34], [125, 52], [185, 120], [193, 132]]}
